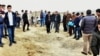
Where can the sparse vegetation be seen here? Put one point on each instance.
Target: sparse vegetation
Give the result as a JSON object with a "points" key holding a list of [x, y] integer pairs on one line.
{"points": [[37, 42]]}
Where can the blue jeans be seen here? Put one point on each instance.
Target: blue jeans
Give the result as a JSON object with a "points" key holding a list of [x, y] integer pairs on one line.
{"points": [[42, 22], [11, 33], [77, 32], [1, 33]]}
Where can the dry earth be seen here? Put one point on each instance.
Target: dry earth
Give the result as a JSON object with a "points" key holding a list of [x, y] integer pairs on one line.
{"points": [[37, 42]]}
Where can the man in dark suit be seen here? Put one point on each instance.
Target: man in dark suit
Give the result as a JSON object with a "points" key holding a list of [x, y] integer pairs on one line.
{"points": [[48, 22], [10, 21], [52, 21], [25, 21], [65, 22], [57, 21], [41, 17]]}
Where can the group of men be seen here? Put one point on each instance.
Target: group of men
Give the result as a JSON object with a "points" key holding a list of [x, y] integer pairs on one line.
{"points": [[85, 26], [89, 25], [74, 23], [52, 19], [7, 23]]}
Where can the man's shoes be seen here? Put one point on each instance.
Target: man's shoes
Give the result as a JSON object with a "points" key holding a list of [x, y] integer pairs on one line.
{"points": [[28, 29], [10, 44], [77, 38], [5, 37], [74, 37], [23, 31], [1, 45], [65, 31], [70, 34], [89, 53], [48, 32], [84, 53], [6, 34], [14, 42], [56, 31]]}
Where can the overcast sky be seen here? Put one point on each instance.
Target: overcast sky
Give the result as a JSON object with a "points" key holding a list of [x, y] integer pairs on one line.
{"points": [[52, 5]]}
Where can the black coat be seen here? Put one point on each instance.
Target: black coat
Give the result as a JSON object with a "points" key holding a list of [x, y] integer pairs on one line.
{"points": [[25, 17], [47, 20], [18, 19], [64, 19], [6, 19], [58, 18], [52, 17], [95, 42]]}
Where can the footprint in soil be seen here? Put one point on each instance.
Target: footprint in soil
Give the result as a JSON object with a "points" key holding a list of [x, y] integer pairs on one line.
{"points": [[59, 38], [30, 53], [40, 51]]}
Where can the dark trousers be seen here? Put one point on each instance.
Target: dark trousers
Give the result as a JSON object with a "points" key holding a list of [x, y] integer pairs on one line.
{"points": [[57, 27], [52, 25], [4, 30], [65, 27], [32, 23], [1, 33], [18, 24], [11, 31], [71, 30], [77, 32], [24, 25], [48, 27], [80, 32]]}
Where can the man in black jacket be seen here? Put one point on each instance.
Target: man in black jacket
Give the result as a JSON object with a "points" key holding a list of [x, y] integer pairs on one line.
{"points": [[48, 22], [95, 42], [65, 22], [57, 21], [52, 21], [25, 21]]}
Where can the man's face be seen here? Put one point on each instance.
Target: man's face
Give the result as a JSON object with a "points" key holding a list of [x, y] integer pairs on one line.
{"points": [[56, 12], [9, 9], [98, 14]]}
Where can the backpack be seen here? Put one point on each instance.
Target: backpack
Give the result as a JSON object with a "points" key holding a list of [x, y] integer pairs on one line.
{"points": [[70, 23]]}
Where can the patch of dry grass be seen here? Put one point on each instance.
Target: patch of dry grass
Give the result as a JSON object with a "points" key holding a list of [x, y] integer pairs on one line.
{"points": [[37, 42]]}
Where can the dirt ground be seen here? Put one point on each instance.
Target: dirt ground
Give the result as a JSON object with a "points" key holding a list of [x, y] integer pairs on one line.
{"points": [[37, 42]]}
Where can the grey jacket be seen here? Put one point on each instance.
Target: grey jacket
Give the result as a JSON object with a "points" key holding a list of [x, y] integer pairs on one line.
{"points": [[88, 24]]}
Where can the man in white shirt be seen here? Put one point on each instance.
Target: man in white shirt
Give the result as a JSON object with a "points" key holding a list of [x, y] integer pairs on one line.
{"points": [[10, 21], [10, 16]]}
